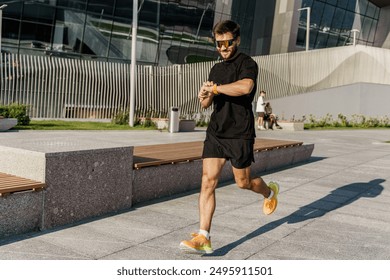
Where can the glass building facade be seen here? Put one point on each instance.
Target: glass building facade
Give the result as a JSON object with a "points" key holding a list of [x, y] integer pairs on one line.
{"points": [[332, 22], [172, 31], [169, 32]]}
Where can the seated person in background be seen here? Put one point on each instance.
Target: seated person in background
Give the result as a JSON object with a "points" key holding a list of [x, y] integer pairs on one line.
{"points": [[270, 118]]}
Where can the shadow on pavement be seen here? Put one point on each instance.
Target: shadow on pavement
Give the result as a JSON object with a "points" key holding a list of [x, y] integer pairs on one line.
{"points": [[345, 195]]}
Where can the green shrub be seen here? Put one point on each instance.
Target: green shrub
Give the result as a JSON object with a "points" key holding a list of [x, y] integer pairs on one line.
{"points": [[17, 111], [343, 120], [121, 118], [384, 122], [146, 122], [355, 121]]}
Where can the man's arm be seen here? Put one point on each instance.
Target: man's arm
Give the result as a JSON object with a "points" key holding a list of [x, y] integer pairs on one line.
{"points": [[238, 88]]}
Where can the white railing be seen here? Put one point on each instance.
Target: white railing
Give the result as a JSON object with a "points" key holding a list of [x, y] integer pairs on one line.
{"points": [[56, 87], [290, 74], [66, 88]]}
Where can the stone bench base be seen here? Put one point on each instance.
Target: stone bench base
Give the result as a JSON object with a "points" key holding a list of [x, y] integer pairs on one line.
{"points": [[90, 183], [79, 185], [169, 179]]}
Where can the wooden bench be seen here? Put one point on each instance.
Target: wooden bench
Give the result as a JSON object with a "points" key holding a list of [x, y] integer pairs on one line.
{"points": [[10, 184], [154, 155]]}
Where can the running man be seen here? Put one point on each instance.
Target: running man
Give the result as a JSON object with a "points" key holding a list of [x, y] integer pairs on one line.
{"points": [[230, 135]]}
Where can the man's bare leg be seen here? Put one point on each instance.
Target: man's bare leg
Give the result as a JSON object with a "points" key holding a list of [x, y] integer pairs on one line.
{"points": [[212, 168], [200, 243], [244, 181], [257, 185]]}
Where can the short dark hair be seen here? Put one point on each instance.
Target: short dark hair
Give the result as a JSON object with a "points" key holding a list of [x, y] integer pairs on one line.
{"points": [[226, 26], [263, 92]]}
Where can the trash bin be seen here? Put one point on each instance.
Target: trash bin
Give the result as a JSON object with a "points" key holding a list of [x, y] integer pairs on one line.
{"points": [[173, 120]]}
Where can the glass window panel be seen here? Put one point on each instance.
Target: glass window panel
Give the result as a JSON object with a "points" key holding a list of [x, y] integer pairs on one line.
{"points": [[377, 10], [39, 13], [338, 18], [307, 3], [10, 35], [103, 7], [342, 4], [362, 7], [147, 32], [332, 40], [348, 21], [332, 2], [12, 11], [316, 14], [301, 37], [123, 11], [351, 6], [344, 41], [327, 17], [322, 40], [68, 32], [148, 13], [96, 36], [371, 10], [243, 10], [35, 35], [121, 48], [75, 4], [312, 38], [366, 29], [302, 18], [371, 36]]}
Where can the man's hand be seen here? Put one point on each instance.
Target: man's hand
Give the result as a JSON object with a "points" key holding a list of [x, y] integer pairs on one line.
{"points": [[206, 94], [206, 91]]}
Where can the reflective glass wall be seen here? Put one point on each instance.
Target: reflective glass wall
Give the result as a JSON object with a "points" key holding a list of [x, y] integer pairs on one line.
{"points": [[332, 22], [169, 31], [97, 29]]}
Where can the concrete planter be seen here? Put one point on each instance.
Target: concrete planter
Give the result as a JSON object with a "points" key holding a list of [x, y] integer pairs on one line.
{"points": [[7, 123], [161, 123], [187, 125], [184, 125], [292, 126]]}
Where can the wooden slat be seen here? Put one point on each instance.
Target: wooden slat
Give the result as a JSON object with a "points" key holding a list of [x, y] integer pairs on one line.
{"points": [[269, 144], [10, 184], [153, 155]]}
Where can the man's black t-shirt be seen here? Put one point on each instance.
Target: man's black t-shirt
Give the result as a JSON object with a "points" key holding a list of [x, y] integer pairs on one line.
{"points": [[233, 116]]}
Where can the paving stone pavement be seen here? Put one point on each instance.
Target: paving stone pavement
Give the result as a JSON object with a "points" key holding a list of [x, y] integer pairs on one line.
{"points": [[334, 207]]}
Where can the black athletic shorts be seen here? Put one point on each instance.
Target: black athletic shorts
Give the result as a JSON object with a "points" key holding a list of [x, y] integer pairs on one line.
{"points": [[238, 151]]}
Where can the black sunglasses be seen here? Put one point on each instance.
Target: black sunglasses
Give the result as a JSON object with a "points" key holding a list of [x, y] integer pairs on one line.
{"points": [[226, 43]]}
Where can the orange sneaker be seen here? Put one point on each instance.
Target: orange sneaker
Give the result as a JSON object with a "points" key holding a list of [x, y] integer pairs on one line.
{"points": [[270, 204], [198, 244]]}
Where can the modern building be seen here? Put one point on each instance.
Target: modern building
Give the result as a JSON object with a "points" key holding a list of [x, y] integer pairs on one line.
{"points": [[179, 31], [70, 58]]}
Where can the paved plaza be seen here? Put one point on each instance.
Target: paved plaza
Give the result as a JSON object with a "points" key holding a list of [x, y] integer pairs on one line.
{"points": [[336, 206]]}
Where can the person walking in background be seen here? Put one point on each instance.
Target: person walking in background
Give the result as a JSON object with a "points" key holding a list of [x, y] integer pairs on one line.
{"points": [[230, 134], [260, 110]]}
